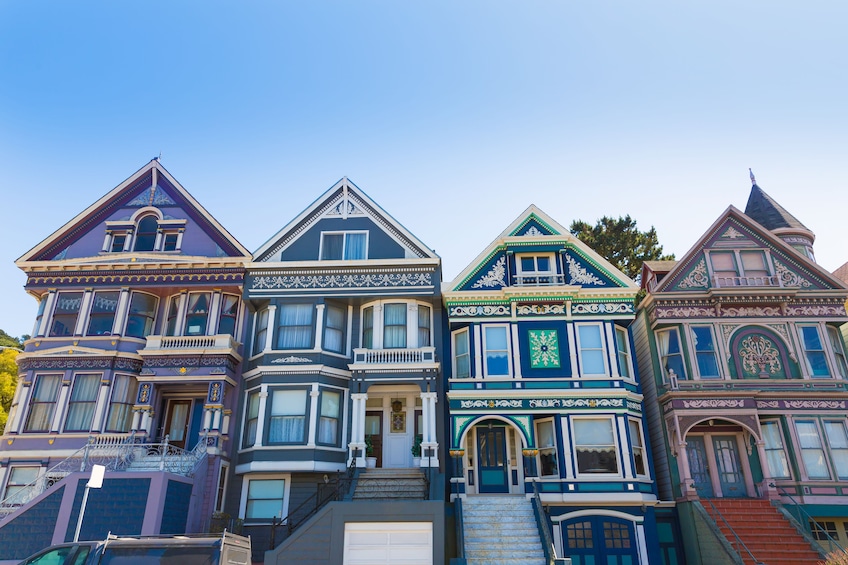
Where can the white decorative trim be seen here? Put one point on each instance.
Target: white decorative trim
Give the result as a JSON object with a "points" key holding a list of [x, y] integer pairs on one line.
{"points": [[495, 277], [697, 278], [579, 275], [731, 233], [750, 311], [533, 232], [685, 312], [292, 359], [341, 281], [473, 311], [790, 278], [815, 310], [541, 309], [714, 403], [815, 404], [603, 308]]}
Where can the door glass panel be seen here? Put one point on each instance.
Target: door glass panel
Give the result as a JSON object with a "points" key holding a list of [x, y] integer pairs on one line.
{"points": [[698, 467]]}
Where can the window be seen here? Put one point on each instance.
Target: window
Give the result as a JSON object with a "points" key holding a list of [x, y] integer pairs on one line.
{"points": [[775, 454], [394, 326], [344, 245], [755, 268], [252, 421], [837, 442], [671, 355], [334, 330], [535, 269], [145, 235], [591, 348], [65, 314], [812, 452], [101, 319], [261, 332], [81, 404], [19, 478], [546, 441], [623, 346], [838, 351], [637, 445], [423, 326], [616, 535], [295, 326], [119, 241], [740, 268], [288, 417], [173, 312], [43, 403], [496, 351], [594, 442], [824, 530], [169, 241], [724, 267], [229, 314], [222, 487], [197, 314], [461, 355], [328, 424], [124, 390], [368, 327], [265, 499], [705, 352], [142, 315], [814, 351]]}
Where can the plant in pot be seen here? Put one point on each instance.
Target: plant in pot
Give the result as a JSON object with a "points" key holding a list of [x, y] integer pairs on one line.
{"points": [[370, 459], [416, 450]]}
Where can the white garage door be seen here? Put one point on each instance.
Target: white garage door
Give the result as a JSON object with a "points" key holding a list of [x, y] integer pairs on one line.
{"points": [[382, 543]]}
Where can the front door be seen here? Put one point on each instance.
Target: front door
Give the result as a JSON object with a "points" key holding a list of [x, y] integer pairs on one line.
{"points": [[730, 477], [592, 540], [699, 466], [177, 419], [374, 435], [491, 459]]}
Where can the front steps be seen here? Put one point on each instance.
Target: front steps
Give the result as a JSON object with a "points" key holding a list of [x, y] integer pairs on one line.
{"points": [[767, 534], [391, 484], [501, 530]]}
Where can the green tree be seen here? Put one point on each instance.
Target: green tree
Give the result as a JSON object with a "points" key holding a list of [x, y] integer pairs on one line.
{"points": [[8, 341], [8, 382], [621, 243]]}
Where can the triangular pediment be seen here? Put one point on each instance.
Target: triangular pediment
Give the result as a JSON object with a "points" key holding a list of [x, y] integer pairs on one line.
{"points": [[343, 209], [150, 191], [535, 234], [733, 235]]}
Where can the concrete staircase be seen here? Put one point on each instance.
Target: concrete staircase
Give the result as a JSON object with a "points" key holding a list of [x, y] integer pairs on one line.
{"points": [[501, 530], [764, 531], [391, 484]]}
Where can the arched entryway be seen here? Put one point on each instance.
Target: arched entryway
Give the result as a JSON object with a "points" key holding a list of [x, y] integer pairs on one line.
{"points": [[718, 457], [493, 457]]}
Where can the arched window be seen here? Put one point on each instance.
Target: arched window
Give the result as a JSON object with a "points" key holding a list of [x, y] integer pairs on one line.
{"points": [[145, 237], [759, 353]]}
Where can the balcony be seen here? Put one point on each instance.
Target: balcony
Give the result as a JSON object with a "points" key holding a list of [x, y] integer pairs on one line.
{"points": [[382, 359], [538, 279], [221, 344], [734, 281]]}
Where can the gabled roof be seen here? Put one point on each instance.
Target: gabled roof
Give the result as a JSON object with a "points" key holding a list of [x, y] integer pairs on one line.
{"points": [[842, 273], [144, 184], [342, 199], [534, 225], [766, 211]]}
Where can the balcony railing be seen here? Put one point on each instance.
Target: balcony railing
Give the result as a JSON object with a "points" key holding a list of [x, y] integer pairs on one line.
{"points": [[222, 341], [538, 279], [394, 356], [762, 280]]}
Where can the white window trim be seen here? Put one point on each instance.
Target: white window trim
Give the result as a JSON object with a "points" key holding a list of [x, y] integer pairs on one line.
{"points": [[824, 339], [344, 243], [828, 447], [508, 336], [641, 430], [737, 258], [604, 351], [31, 399], [779, 424], [840, 343], [540, 447], [617, 330], [454, 335], [796, 441], [681, 354], [616, 443], [411, 322], [521, 273], [4, 478], [244, 489], [719, 355]]}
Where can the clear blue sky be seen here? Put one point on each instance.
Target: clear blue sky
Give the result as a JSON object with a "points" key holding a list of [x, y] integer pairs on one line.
{"points": [[454, 116]]}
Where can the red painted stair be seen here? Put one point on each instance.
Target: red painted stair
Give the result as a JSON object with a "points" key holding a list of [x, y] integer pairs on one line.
{"points": [[767, 534]]}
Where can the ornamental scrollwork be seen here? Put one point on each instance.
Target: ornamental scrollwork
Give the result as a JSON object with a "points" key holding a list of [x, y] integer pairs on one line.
{"points": [[541, 309], [823, 310], [496, 277], [341, 281], [533, 231], [790, 278], [714, 403], [685, 312], [731, 233], [485, 310], [750, 311], [697, 278], [603, 308], [634, 406], [292, 359], [544, 349], [815, 404], [768, 404], [490, 404], [579, 275], [759, 356]]}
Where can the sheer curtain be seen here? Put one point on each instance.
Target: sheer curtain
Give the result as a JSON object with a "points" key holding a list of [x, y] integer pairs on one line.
{"points": [[43, 403], [124, 390], [328, 425], [295, 326], [334, 331], [288, 416], [423, 326], [331, 246], [81, 406], [394, 326], [355, 246]]}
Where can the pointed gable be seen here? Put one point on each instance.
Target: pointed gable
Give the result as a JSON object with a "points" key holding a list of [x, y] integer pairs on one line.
{"points": [[151, 191], [343, 223]]}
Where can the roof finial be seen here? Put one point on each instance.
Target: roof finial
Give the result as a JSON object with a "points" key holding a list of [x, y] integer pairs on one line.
{"points": [[753, 180]]}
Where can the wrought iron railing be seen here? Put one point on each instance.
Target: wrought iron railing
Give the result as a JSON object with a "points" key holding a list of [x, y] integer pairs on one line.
{"points": [[813, 531], [120, 452], [542, 524], [736, 543]]}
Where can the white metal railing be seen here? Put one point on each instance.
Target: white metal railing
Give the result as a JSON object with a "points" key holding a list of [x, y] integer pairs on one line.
{"points": [[539, 279], [394, 356], [116, 452], [222, 341], [763, 280]]}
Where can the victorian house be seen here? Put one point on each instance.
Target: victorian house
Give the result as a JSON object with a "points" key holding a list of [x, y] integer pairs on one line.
{"points": [[545, 404], [743, 366], [134, 363], [343, 368]]}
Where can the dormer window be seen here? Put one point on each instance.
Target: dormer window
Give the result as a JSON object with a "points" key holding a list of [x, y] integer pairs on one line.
{"points": [[741, 268], [537, 269], [148, 230], [336, 246], [118, 243], [145, 236]]}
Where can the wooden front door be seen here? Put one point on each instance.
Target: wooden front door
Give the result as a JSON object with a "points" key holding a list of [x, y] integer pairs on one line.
{"points": [[730, 477], [374, 433], [177, 419]]}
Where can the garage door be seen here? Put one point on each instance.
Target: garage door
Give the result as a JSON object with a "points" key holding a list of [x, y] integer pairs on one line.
{"points": [[381, 543]]}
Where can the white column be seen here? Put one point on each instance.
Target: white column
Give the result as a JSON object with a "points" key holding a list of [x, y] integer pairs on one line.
{"points": [[180, 239], [319, 326], [82, 315], [624, 439], [269, 332], [377, 330], [412, 325], [100, 408], [358, 426], [46, 314], [572, 351], [260, 422], [157, 245], [313, 415], [349, 331], [214, 312], [428, 402], [516, 352], [120, 324], [612, 351], [478, 354], [61, 406], [182, 305]]}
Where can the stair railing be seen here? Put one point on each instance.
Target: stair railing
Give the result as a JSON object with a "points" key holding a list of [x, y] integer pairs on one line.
{"points": [[460, 533], [809, 526], [542, 525], [738, 543]]}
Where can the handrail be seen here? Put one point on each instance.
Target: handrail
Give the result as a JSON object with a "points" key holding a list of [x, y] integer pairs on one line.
{"points": [[460, 531], [739, 541], [542, 524], [806, 528]]}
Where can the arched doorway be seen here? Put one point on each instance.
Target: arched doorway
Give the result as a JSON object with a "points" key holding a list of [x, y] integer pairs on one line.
{"points": [[493, 460], [718, 456], [589, 539]]}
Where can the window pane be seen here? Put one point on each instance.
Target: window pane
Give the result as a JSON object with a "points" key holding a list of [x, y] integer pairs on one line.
{"points": [[838, 441], [811, 450], [394, 325], [124, 390], [423, 326], [141, 315], [815, 351], [462, 358], [637, 447], [334, 330], [229, 314], [497, 353], [102, 315], [265, 498], [355, 246], [295, 326], [65, 313], [671, 353], [328, 424], [368, 327], [623, 346], [82, 402], [261, 332], [595, 445], [775, 454], [591, 350], [145, 237], [331, 246], [198, 313], [287, 422], [43, 403], [705, 352], [838, 351]]}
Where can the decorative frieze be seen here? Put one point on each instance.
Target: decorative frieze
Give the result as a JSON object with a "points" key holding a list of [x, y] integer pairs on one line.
{"points": [[537, 403], [339, 280], [592, 308], [750, 311], [790, 278], [292, 359], [579, 275], [662, 312], [802, 404], [697, 278], [119, 278], [495, 278], [478, 311], [816, 310], [122, 364], [714, 403], [541, 309]]}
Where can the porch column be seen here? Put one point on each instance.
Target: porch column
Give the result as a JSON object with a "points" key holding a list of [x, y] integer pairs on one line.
{"points": [[766, 490], [429, 445], [687, 488], [357, 425]]}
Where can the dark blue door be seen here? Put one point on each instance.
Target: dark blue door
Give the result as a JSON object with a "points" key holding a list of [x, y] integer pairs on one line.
{"points": [[699, 466], [491, 460], [730, 476], [599, 540]]}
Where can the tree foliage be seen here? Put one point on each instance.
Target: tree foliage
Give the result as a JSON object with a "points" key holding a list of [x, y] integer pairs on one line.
{"points": [[8, 382], [621, 243], [8, 341]]}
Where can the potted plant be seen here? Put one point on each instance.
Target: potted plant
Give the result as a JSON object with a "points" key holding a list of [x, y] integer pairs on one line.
{"points": [[416, 450], [370, 459]]}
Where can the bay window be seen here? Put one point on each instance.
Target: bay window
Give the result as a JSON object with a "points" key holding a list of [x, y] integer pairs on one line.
{"points": [[705, 352], [295, 328], [81, 403], [591, 349], [43, 403], [334, 330], [287, 423], [328, 423], [101, 317], [124, 390], [623, 346], [141, 315], [496, 351], [197, 313], [812, 450], [397, 325], [814, 351], [671, 355], [394, 326], [837, 443], [65, 313], [637, 446], [251, 422], [261, 332], [774, 448], [594, 443], [461, 354]]}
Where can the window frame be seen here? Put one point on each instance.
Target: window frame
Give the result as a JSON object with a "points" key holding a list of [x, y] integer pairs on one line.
{"points": [[372, 331], [602, 350], [245, 498], [820, 353], [90, 404], [137, 233], [703, 352], [344, 234], [838, 346], [51, 412], [340, 332], [260, 334], [125, 404], [270, 416], [98, 315], [54, 315], [822, 442], [778, 449], [680, 355], [549, 450], [338, 417], [455, 336], [741, 275], [635, 424], [18, 485], [149, 328], [507, 334], [188, 314], [536, 277], [248, 438], [622, 336], [309, 328], [576, 446], [403, 306]]}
